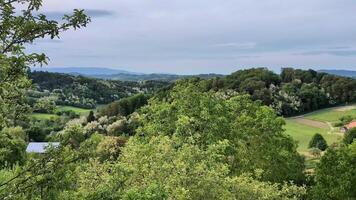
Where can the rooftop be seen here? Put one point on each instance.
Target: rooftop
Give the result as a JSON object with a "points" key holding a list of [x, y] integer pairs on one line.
{"points": [[40, 147], [351, 125]]}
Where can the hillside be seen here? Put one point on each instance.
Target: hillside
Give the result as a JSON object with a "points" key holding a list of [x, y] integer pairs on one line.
{"points": [[157, 77], [290, 93], [346, 73], [86, 71], [85, 92], [121, 75]]}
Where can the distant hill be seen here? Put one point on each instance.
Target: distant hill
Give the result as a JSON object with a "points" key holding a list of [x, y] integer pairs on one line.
{"points": [[85, 71], [155, 77], [116, 74], [346, 73]]}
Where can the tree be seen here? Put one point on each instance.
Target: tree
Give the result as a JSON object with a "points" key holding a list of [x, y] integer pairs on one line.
{"points": [[336, 174], [17, 28], [350, 136], [162, 167], [45, 105], [319, 142], [12, 147], [254, 131], [91, 117]]}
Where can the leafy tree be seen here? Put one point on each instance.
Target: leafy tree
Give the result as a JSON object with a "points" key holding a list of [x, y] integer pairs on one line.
{"points": [[336, 174], [45, 105], [255, 132], [125, 106], [164, 168], [350, 136], [12, 146], [91, 116], [319, 142], [346, 119], [21, 23]]}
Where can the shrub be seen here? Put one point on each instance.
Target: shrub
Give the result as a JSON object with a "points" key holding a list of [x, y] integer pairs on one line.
{"points": [[319, 142]]}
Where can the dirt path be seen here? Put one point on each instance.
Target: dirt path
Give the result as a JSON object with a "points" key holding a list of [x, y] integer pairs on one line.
{"points": [[345, 108], [312, 123]]}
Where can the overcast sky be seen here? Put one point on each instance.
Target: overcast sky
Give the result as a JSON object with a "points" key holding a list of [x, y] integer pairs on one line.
{"points": [[206, 36]]}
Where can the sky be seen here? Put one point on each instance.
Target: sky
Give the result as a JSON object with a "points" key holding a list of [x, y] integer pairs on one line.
{"points": [[205, 36]]}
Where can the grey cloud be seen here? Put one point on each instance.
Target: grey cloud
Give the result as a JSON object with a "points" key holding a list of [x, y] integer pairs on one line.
{"points": [[214, 35], [329, 52], [54, 15]]}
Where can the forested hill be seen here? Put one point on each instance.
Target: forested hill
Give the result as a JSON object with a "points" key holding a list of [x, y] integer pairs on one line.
{"points": [[347, 73], [292, 92], [86, 92]]}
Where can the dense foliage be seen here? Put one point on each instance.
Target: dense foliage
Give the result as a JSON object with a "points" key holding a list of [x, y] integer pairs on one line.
{"points": [[197, 139], [292, 92], [85, 92], [318, 142], [350, 136], [208, 117], [336, 174], [125, 106], [20, 25]]}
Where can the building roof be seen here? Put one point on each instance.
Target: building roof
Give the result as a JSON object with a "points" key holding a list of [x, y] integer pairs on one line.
{"points": [[40, 147], [351, 125]]}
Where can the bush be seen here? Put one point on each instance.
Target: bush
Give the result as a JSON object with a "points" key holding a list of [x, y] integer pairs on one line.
{"points": [[319, 142], [12, 146], [350, 136]]}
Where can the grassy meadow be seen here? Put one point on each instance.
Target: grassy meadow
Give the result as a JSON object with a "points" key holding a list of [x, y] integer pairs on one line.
{"points": [[303, 134], [79, 111], [303, 128]]}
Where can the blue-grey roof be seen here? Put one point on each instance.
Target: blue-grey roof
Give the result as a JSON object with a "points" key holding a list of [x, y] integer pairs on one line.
{"points": [[40, 147]]}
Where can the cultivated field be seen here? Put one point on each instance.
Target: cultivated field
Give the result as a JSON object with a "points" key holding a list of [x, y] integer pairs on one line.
{"points": [[79, 111], [303, 128]]}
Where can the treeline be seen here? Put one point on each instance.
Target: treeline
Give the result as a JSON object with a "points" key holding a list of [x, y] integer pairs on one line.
{"points": [[85, 92], [189, 145], [292, 92], [125, 106]]}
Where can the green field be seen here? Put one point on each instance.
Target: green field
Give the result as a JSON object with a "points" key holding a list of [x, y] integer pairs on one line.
{"points": [[318, 122], [43, 116], [303, 134], [330, 114], [79, 111]]}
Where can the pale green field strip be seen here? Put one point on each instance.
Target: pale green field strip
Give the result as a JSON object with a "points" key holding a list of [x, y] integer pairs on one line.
{"points": [[43, 116], [80, 111], [303, 134], [332, 114]]}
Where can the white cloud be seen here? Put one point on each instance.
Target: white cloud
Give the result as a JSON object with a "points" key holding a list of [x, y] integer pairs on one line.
{"points": [[206, 36]]}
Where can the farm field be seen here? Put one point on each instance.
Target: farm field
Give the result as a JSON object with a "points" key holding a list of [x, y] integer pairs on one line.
{"points": [[43, 116], [303, 134], [303, 128], [80, 111], [332, 114]]}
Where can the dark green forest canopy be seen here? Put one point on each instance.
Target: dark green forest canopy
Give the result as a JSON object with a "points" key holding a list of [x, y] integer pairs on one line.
{"points": [[292, 92], [87, 92]]}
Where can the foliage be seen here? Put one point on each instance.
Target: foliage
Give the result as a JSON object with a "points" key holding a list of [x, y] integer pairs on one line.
{"points": [[86, 92], [350, 136], [319, 142], [21, 23], [164, 168], [255, 132], [45, 105], [336, 174], [90, 117], [12, 146], [292, 92], [125, 106]]}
